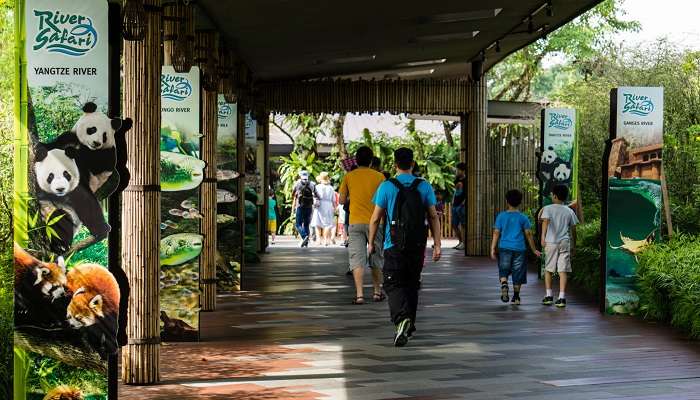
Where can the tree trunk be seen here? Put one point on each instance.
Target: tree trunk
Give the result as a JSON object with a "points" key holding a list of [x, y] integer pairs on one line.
{"points": [[449, 126], [337, 133]]}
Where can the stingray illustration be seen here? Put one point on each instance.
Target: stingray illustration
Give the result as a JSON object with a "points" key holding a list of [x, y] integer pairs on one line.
{"points": [[634, 246]]}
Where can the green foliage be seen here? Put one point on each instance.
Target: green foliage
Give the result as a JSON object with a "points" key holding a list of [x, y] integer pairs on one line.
{"points": [[7, 76], [55, 112], [585, 260], [47, 373], [520, 77], [668, 283], [678, 71]]}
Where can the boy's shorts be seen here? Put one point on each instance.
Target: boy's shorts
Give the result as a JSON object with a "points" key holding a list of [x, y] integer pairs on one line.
{"points": [[458, 215], [512, 262], [558, 256]]}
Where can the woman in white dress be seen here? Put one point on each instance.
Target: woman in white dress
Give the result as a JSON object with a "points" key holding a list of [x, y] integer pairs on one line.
{"points": [[325, 210]]}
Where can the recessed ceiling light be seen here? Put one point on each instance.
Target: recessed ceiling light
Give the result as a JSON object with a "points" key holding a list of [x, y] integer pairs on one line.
{"points": [[422, 63], [460, 16], [346, 60], [447, 37], [416, 73]]}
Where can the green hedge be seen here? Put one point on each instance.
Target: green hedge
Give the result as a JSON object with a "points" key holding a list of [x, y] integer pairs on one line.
{"points": [[585, 261], [669, 283]]}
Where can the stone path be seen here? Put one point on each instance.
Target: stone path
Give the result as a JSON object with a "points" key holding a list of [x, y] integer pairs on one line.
{"points": [[294, 335]]}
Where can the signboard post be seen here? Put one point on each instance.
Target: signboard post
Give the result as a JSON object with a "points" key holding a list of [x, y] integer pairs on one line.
{"points": [[66, 166], [181, 174], [559, 157], [227, 214], [632, 198]]}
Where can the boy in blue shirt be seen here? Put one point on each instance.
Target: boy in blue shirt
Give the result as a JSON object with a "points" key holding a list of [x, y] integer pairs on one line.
{"points": [[403, 266], [510, 231]]}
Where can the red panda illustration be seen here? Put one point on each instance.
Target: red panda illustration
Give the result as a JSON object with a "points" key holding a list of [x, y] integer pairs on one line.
{"points": [[94, 305], [48, 278], [64, 392], [39, 290]]}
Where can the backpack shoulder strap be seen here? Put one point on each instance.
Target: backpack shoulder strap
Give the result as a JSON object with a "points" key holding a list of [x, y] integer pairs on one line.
{"points": [[416, 182], [397, 183]]}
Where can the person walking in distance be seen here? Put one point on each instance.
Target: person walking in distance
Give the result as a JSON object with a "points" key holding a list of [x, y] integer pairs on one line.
{"points": [[406, 201], [303, 196], [358, 187], [458, 205], [272, 216], [325, 210]]}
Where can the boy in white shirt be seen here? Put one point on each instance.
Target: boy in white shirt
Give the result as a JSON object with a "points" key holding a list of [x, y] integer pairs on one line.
{"points": [[558, 223]]}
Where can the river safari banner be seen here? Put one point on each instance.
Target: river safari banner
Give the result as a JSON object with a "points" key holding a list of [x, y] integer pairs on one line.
{"points": [[67, 296], [558, 164], [228, 227], [632, 199], [181, 173]]}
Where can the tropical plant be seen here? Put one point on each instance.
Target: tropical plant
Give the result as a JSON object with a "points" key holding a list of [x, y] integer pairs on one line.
{"points": [[668, 283]]}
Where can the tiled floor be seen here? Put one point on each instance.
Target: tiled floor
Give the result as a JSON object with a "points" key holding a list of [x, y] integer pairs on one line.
{"points": [[294, 335]]}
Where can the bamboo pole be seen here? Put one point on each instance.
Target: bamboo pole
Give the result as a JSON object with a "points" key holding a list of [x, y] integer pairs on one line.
{"points": [[141, 202], [240, 165], [477, 170], [207, 264]]}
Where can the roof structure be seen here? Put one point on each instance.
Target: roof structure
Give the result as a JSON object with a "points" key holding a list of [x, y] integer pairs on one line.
{"points": [[282, 39]]}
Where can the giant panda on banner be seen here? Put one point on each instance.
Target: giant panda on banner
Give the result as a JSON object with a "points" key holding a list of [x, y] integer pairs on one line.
{"points": [[92, 142]]}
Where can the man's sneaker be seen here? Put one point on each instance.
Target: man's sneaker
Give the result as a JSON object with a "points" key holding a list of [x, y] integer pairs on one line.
{"points": [[504, 292], [516, 299], [305, 242], [459, 246], [561, 303], [548, 300], [402, 332]]}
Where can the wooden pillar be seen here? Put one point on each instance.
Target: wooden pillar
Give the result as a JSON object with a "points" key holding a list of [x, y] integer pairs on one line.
{"points": [[474, 137], [141, 201], [240, 163], [208, 201], [266, 176]]}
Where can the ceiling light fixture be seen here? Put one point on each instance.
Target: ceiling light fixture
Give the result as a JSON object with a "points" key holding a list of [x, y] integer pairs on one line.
{"points": [[460, 16], [447, 37], [416, 73], [422, 63], [346, 60]]}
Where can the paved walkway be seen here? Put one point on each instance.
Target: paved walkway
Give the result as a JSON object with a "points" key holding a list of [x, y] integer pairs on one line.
{"points": [[295, 335]]}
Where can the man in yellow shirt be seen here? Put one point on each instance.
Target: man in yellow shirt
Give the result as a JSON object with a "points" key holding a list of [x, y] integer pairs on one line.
{"points": [[358, 188]]}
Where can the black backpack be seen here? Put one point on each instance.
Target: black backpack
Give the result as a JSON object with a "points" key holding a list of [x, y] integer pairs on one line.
{"points": [[407, 225], [306, 195]]}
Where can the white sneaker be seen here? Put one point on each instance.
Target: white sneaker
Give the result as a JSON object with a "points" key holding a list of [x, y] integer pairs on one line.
{"points": [[460, 246]]}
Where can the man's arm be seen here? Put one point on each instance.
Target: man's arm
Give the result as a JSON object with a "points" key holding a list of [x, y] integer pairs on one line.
{"points": [[343, 192], [435, 229], [373, 226], [494, 242], [545, 225]]}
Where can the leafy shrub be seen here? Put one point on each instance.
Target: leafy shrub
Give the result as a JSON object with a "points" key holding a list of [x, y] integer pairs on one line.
{"points": [[669, 283], [586, 258]]}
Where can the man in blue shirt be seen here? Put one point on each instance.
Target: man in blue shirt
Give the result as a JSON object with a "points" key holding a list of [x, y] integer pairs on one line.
{"points": [[402, 268]]}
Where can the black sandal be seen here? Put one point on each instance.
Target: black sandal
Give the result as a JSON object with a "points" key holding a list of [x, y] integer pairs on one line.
{"points": [[378, 297], [358, 300]]}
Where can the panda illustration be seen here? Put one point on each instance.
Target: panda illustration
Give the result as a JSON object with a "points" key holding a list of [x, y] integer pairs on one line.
{"points": [[548, 163], [93, 134], [562, 173], [60, 194]]}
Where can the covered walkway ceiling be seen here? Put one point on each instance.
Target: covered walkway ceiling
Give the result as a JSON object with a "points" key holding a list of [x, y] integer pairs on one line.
{"points": [[285, 39]]}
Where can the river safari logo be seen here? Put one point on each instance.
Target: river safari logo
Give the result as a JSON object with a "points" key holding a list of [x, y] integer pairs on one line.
{"points": [[559, 121], [70, 34], [637, 104], [225, 110], [174, 87]]}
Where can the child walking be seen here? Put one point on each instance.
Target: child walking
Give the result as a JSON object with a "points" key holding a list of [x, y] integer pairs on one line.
{"points": [[510, 231], [558, 227], [272, 216]]}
